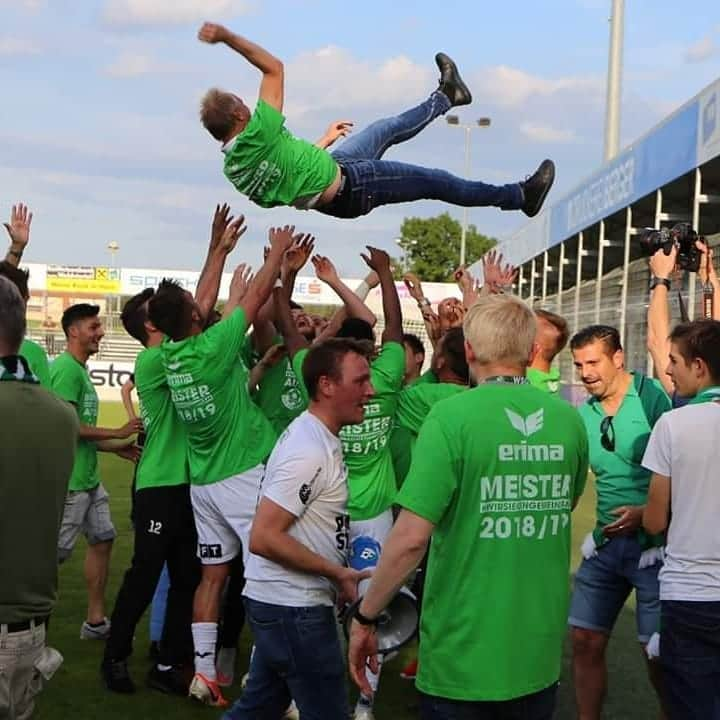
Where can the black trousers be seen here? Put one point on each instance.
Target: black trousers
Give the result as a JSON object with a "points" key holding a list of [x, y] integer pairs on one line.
{"points": [[164, 533]]}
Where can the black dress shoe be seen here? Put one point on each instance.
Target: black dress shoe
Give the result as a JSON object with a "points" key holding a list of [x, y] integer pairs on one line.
{"points": [[451, 83], [116, 676], [172, 682], [536, 187]]}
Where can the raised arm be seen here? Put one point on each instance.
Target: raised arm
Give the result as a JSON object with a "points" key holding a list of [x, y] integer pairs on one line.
{"points": [[273, 74], [354, 306], [223, 238], [658, 318], [430, 318], [379, 261], [19, 231], [294, 341]]}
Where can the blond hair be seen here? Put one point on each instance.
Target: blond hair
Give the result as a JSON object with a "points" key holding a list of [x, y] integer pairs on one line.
{"points": [[500, 329], [218, 113]]}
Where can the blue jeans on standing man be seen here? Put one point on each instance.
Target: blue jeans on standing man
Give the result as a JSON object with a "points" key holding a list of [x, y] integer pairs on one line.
{"points": [[297, 657], [690, 659], [370, 181], [536, 706]]}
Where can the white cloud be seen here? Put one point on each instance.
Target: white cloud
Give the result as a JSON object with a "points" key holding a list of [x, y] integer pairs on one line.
{"points": [[169, 12], [547, 134], [511, 87], [133, 64], [701, 50], [18, 46], [24, 4]]}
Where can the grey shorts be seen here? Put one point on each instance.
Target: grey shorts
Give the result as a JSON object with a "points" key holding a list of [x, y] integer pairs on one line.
{"points": [[86, 512]]}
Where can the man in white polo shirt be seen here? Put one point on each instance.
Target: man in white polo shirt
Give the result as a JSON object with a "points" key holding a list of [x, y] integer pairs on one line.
{"points": [[297, 570], [684, 456]]}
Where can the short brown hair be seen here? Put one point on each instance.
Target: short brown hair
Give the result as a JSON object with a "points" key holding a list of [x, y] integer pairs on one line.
{"points": [[325, 360], [217, 113], [699, 339], [560, 324]]}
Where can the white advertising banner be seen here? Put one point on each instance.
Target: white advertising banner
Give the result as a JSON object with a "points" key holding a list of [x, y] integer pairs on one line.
{"points": [[108, 376]]}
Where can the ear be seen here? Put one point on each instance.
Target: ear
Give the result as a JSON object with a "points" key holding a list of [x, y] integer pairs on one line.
{"points": [[534, 350], [700, 368], [469, 353], [149, 327], [326, 386], [619, 359]]}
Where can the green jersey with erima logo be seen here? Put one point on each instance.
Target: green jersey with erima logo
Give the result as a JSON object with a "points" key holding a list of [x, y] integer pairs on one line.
{"points": [[497, 470]]}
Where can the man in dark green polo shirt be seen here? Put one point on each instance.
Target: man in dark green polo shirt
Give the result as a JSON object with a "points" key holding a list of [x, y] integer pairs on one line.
{"points": [[618, 555], [87, 506], [36, 458]]}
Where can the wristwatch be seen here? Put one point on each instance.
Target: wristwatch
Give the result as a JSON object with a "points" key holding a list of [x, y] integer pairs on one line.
{"points": [[357, 615], [655, 281], [17, 253]]}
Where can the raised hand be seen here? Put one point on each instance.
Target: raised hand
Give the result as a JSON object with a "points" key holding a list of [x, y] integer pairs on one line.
{"points": [[706, 271], [414, 286], [299, 252], [233, 231], [336, 130], [464, 279], [378, 260], [19, 227], [497, 276], [221, 219], [213, 33], [325, 270], [280, 239], [241, 279], [662, 265]]}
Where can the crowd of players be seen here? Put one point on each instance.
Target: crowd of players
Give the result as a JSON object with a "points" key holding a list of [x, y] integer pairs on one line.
{"points": [[282, 458]]}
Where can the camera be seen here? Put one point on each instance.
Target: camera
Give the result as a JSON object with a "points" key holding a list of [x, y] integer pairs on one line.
{"points": [[682, 235]]}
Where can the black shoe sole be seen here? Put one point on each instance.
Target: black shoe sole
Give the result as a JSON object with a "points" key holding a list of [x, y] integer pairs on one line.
{"points": [[441, 60], [532, 212]]}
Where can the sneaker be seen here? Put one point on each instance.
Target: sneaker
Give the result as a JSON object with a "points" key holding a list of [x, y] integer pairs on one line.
{"points": [[450, 81], [225, 666], [171, 682], [292, 713], [409, 672], [116, 677], [95, 632], [363, 712], [206, 691], [536, 187]]}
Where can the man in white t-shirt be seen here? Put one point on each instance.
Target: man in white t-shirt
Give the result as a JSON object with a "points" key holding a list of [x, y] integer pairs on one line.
{"points": [[684, 456], [296, 572]]}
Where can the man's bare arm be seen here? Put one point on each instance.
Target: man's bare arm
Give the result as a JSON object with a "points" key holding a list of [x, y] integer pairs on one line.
{"points": [[272, 84], [658, 317], [379, 261]]}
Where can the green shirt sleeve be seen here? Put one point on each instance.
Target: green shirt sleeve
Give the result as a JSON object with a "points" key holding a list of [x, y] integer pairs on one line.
{"points": [[223, 341], [388, 368], [412, 410], [66, 383], [432, 481]]}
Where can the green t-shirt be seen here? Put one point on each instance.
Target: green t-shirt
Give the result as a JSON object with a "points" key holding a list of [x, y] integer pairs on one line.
{"points": [[164, 457], [427, 377], [227, 433], [37, 360], [620, 478], [279, 394], [366, 448], [496, 469], [70, 381], [271, 167], [414, 403], [547, 381]]}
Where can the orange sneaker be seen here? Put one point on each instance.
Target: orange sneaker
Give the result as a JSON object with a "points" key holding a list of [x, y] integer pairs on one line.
{"points": [[409, 672], [206, 691]]}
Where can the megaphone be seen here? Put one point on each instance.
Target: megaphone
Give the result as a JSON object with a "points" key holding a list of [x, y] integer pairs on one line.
{"points": [[398, 623]]}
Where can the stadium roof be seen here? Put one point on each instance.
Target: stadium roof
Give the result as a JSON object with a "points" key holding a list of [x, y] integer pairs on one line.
{"points": [[685, 140]]}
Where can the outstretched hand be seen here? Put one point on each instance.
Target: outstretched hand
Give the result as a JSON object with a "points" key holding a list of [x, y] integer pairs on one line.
{"points": [[299, 252], [378, 260], [241, 279], [19, 226], [280, 239], [336, 130], [324, 269], [212, 33], [414, 286], [226, 229], [498, 277]]}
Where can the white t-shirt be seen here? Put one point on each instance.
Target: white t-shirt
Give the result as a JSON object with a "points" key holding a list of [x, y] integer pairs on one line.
{"points": [[305, 475], [685, 447]]}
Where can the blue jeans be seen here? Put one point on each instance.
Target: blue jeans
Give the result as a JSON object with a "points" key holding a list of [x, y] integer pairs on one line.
{"points": [[603, 583], [371, 182], [536, 706], [690, 659], [297, 656]]}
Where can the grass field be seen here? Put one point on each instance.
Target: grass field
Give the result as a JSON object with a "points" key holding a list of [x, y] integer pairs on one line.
{"points": [[76, 691]]}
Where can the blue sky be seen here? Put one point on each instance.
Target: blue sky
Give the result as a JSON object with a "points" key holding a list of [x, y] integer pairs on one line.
{"points": [[99, 129]]}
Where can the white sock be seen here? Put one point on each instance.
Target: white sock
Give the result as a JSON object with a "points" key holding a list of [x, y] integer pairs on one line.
{"points": [[374, 682], [204, 639]]}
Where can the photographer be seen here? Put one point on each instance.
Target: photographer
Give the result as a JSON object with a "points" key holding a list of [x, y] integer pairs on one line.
{"points": [[662, 267], [683, 455]]}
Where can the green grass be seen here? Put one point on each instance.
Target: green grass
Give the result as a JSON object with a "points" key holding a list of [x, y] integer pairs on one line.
{"points": [[76, 692]]}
